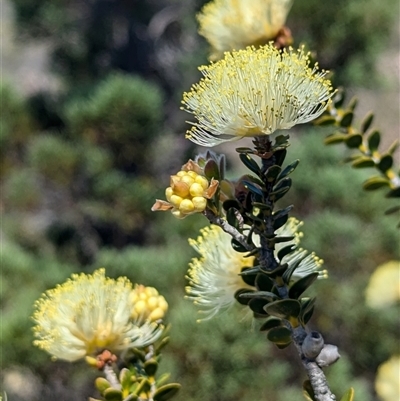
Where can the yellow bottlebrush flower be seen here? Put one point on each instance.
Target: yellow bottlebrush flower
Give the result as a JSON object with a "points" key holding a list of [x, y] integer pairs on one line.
{"points": [[387, 383], [384, 285], [148, 304], [188, 192], [255, 92], [214, 277], [234, 24], [88, 314]]}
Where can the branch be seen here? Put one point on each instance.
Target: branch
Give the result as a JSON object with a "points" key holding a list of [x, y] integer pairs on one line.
{"points": [[111, 376], [219, 221], [315, 373]]}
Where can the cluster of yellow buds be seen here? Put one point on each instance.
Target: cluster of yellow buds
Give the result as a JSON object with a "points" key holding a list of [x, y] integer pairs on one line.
{"points": [[148, 304], [188, 192]]}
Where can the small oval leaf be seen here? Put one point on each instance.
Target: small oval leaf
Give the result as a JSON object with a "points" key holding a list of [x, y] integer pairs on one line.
{"points": [[284, 308], [375, 183], [347, 119], [254, 188], [280, 335], [288, 169], [272, 173], [166, 392], [354, 141], [363, 162], [257, 306], [249, 163], [325, 120], [374, 140], [366, 123], [348, 395], [270, 323], [301, 285], [334, 138], [385, 163]]}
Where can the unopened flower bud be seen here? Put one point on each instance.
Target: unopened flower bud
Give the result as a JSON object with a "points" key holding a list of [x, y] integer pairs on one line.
{"points": [[149, 305], [328, 356], [312, 345], [196, 189], [186, 206], [188, 192], [199, 203]]}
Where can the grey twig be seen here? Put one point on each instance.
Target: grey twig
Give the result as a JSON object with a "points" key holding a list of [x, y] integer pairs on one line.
{"points": [[219, 221], [111, 376], [315, 373]]}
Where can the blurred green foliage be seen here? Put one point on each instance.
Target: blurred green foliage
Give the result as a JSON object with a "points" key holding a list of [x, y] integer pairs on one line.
{"points": [[81, 168]]}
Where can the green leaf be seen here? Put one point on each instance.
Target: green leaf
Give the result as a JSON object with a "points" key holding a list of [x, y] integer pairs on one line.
{"points": [[253, 188], [348, 395], [301, 285], [394, 193], [211, 170], [278, 194], [238, 247], [231, 217], [280, 221], [393, 147], [280, 156], [272, 173], [288, 169], [334, 138], [257, 306], [339, 98], [240, 299], [325, 120], [374, 140], [385, 163], [352, 104], [263, 282], [375, 182], [347, 119], [285, 251], [151, 367], [363, 162], [284, 183], [393, 209], [244, 150], [125, 378], [231, 203], [280, 335], [366, 123], [102, 384], [270, 323], [281, 140], [112, 394], [269, 296], [354, 141], [166, 392], [249, 163], [284, 308], [288, 273], [307, 315], [307, 309], [308, 391]]}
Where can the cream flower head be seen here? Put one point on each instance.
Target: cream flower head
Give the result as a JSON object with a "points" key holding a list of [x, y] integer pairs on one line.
{"points": [[387, 383], [234, 24], [384, 285], [87, 314], [214, 277], [255, 92]]}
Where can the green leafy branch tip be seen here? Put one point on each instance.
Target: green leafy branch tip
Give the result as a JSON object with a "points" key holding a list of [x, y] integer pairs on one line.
{"points": [[365, 139]]}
